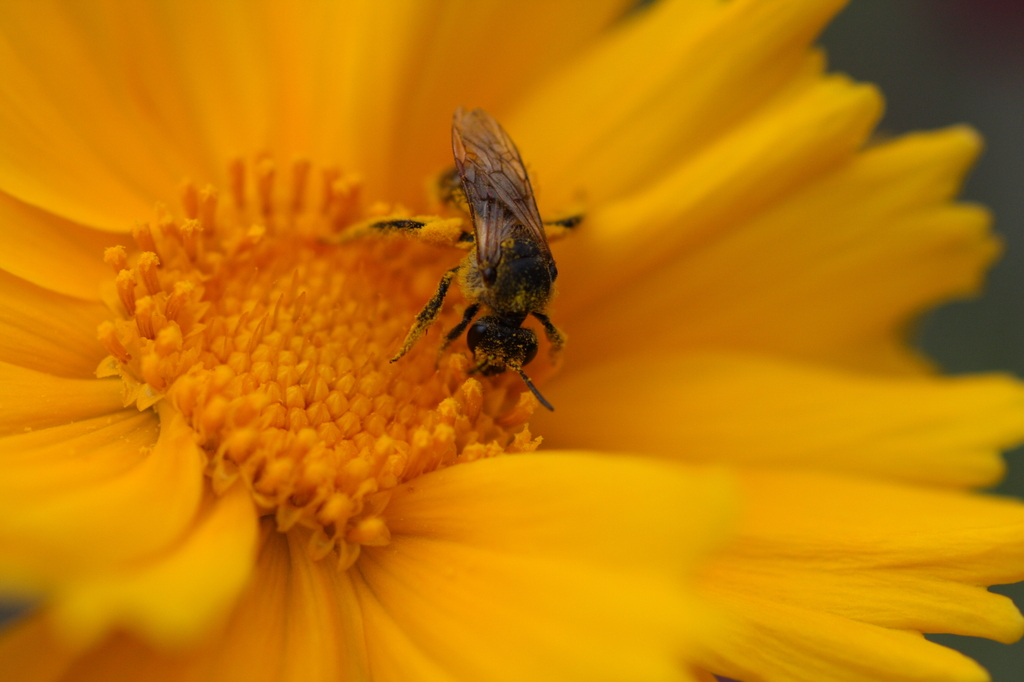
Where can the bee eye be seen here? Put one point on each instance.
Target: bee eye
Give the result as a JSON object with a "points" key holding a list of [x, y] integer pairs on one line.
{"points": [[489, 274], [474, 334], [529, 348]]}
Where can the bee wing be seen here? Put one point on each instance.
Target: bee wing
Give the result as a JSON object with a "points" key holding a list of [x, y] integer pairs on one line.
{"points": [[495, 181]]}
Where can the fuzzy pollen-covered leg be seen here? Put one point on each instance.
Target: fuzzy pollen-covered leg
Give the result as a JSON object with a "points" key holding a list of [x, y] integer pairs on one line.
{"points": [[467, 317], [555, 337], [426, 317], [430, 229], [556, 229]]}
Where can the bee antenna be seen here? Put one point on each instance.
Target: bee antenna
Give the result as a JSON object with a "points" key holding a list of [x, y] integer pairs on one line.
{"points": [[533, 389]]}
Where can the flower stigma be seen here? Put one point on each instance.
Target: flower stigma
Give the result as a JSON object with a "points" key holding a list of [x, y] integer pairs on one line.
{"points": [[273, 345]]}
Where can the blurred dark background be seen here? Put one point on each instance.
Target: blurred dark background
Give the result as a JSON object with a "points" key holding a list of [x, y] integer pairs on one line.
{"points": [[941, 62]]}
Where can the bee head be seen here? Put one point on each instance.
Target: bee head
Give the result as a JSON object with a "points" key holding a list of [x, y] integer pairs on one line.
{"points": [[496, 345]]}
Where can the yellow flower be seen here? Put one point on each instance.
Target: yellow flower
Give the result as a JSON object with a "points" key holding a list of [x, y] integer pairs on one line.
{"points": [[251, 491]]}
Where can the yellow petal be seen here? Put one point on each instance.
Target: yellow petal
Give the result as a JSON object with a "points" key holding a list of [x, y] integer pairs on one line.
{"points": [[205, 571], [463, 56], [792, 142], [958, 536], [129, 507], [51, 252], [27, 444], [782, 643], [207, 70], [555, 566], [68, 142], [665, 85], [49, 332], [301, 614], [831, 273], [743, 409], [54, 460], [828, 573], [117, 93], [459, 504], [306, 614], [32, 400], [329, 66], [297, 621], [408, 659]]}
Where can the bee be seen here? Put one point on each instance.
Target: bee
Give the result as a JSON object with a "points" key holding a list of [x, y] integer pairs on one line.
{"points": [[509, 272]]}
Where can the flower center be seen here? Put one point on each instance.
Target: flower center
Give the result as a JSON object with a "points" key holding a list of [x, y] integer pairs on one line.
{"points": [[274, 345]]}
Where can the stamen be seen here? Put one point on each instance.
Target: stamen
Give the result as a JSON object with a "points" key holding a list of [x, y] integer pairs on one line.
{"points": [[144, 309], [178, 298], [107, 334], [265, 185], [518, 415], [330, 175], [300, 175], [189, 233], [345, 196], [252, 237], [208, 208], [371, 532], [125, 282], [165, 224], [151, 372], [144, 237], [236, 177], [190, 200], [147, 265], [169, 339], [116, 257]]}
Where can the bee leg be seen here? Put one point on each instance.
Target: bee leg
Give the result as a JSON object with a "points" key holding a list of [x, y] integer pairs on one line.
{"points": [[376, 229], [426, 317], [430, 229], [556, 229], [556, 337], [467, 317]]}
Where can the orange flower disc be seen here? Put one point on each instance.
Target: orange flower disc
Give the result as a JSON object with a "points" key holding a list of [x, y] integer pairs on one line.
{"points": [[274, 345]]}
